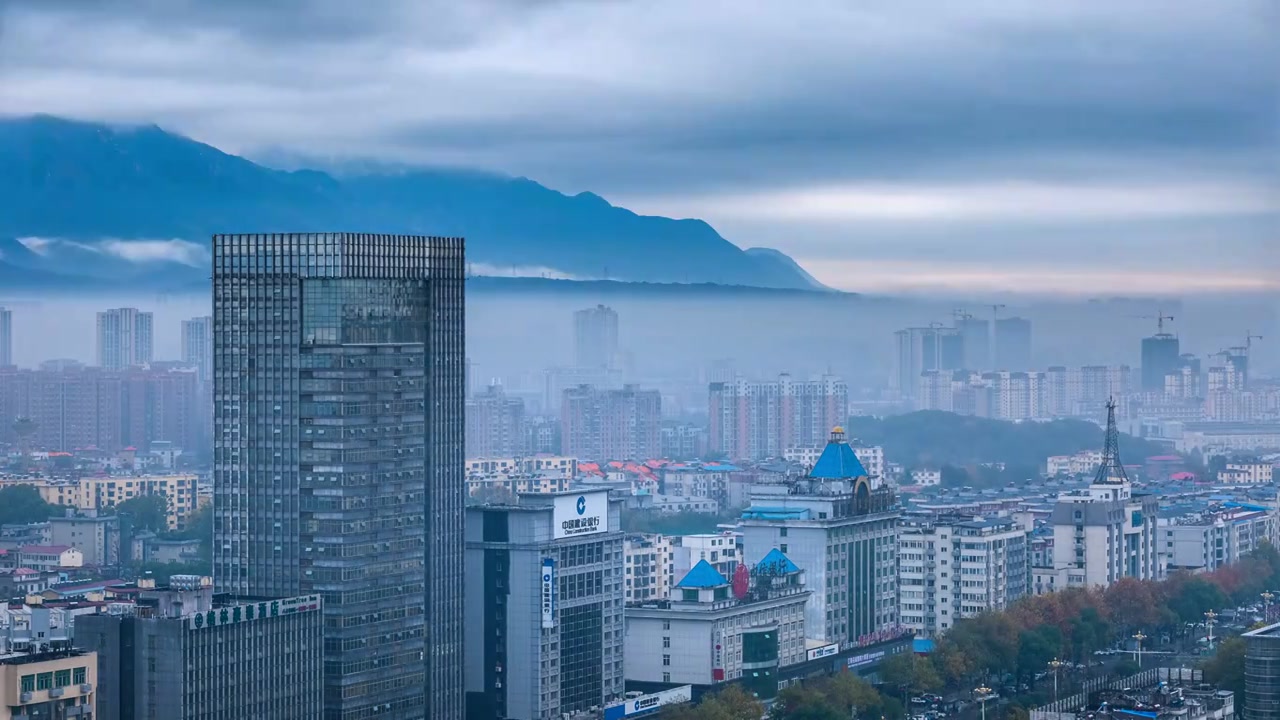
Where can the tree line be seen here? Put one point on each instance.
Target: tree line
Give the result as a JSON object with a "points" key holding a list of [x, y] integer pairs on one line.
{"points": [[1073, 623], [970, 448], [1021, 641]]}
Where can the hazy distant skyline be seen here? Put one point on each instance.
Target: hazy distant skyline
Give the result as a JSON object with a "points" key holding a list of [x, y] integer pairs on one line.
{"points": [[886, 145]]}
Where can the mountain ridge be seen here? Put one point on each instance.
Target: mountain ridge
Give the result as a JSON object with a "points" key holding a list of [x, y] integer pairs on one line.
{"points": [[85, 183]]}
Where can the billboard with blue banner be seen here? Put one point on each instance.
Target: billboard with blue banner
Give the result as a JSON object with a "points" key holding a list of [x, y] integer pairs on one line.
{"points": [[648, 704]]}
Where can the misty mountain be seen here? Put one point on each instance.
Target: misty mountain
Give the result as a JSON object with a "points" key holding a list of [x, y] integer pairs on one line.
{"points": [[82, 187]]}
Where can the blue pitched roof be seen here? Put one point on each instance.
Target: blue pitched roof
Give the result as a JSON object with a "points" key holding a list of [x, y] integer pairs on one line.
{"points": [[837, 462], [777, 563], [702, 576]]}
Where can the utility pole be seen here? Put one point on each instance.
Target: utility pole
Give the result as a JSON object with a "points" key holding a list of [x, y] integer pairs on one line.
{"points": [[1055, 664], [984, 694], [1209, 617], [1139, 637]]}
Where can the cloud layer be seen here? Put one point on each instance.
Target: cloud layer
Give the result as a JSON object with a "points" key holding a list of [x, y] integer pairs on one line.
{"points": [[827, 128]]}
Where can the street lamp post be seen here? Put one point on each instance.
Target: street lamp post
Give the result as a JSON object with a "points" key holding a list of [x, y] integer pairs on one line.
{"points": [[1209, 617], [1055, 664], [983, 693], [1139, 637]]}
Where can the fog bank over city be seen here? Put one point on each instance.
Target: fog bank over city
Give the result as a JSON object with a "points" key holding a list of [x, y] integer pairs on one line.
{"points": [[673, 335]]}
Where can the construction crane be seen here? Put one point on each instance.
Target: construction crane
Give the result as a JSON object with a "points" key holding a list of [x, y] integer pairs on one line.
{"points": [[960, 314], [995, 311], [1249, 337], [1159, 317]]}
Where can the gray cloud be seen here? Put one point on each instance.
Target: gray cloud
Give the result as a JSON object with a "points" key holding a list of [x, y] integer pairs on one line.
{"points": [[651, 100]]}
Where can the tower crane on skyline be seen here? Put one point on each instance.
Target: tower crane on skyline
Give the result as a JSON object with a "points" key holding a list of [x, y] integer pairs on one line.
{"points": [[1159, 317], [1249, 337]]}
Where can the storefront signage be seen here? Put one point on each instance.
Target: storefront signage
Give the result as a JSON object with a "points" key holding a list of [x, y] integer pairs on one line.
{"points": [[866, 659], [253, 611], [824, 651], [548, 592]]}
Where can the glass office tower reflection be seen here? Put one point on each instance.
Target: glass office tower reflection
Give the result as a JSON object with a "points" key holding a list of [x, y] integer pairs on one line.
{"points": [[338, 421]]}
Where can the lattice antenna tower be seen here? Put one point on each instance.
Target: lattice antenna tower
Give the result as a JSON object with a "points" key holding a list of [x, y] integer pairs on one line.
{"points": [[1111, 471]]}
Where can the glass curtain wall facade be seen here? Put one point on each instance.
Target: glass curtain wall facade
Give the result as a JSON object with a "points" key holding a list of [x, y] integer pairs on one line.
{"points": [[338, 421]]}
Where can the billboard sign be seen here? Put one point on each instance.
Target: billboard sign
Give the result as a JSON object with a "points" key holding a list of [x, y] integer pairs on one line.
{"points": [[825, 651], [858, 661], [580, 514], [646, 704], [548, 592]]}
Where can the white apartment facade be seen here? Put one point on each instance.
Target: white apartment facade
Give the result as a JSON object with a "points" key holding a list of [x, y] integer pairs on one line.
{"points": [[951, 568], [705, 635], [721, 550], [648, 567], [1085, 462], [1251, 472], [1216, 538], [1105, 533]]}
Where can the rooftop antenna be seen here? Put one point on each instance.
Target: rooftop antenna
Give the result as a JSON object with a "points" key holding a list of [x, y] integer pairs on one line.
{"points": [[1111, 471]]}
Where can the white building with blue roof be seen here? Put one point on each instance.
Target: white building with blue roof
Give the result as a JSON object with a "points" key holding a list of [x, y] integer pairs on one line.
{"points": [[713, 630], [838, 525]]}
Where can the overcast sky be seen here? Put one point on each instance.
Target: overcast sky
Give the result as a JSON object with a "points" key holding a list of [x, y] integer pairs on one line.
{"points": [[885, 144]]}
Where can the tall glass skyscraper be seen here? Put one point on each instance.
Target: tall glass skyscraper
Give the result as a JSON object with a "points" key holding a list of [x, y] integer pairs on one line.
{"points": [[338, 453]]}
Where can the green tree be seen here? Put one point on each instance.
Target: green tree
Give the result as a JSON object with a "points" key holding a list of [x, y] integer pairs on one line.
{"points": [[1226, 668], [1089, 633], [853, 693], [1194, 597], [911, 671], [146, 512], [732, 703], [199, 526], [1036, 647], [22, 504]]}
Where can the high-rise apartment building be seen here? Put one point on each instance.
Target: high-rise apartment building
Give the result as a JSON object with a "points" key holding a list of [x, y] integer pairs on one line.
{"points": [[621, 424], [1161, 356], [842, 531], [1013, 343], [197, 345], [6, 337], [495, 424], [756, 420], [124, 338], [951, 568], [595, 337], [180, 652], [975, 333], [106, 409], [544, 618], [1105, 532], [921, 349], [649, 566], [338, 455]]}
